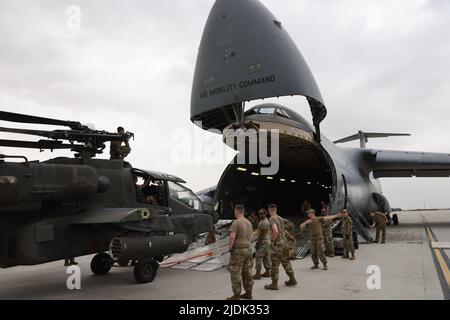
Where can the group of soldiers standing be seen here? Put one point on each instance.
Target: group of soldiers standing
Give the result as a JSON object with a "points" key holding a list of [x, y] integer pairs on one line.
{"points": [[271, 250], [274, 238]]}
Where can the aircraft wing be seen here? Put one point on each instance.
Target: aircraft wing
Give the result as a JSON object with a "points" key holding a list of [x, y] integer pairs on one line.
{"points": [[396, 164], [118, 215]]}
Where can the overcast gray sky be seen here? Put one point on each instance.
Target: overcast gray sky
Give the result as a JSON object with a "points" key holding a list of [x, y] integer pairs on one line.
{"points": [[380, 65]]}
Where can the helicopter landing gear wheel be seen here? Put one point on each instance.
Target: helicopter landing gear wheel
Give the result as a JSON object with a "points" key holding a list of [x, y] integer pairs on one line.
{"points": [[145, 271], [101, 264]]}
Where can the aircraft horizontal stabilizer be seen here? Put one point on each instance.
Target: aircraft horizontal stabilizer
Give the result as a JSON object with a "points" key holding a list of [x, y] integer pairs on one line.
{"points": [[363, 137]]}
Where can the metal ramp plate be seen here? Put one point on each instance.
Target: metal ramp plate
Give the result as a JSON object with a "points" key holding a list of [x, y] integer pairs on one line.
{"points": [[208, 267], [200, 259], [303, 250], [184, 265], [203, 258], [221, 251]]}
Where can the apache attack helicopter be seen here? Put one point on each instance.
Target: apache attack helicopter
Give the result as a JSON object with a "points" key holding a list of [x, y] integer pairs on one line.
{"points": [[69, 207], [246, 54]]}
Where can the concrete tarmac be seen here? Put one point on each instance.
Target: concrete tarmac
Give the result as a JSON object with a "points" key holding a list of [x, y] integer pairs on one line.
{"points": [[408, 270]]}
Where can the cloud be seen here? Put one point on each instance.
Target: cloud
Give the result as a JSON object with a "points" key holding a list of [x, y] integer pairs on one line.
{"points": [[380, 65]]}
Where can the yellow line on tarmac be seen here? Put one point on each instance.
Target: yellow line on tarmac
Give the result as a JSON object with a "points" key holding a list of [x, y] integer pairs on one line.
{"points": [[440, 258], [430, 236]]}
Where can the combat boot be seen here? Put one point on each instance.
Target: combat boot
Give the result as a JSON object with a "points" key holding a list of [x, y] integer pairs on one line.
{"points": [[325, 267], [292, 282], [353, 257], [332, 255], [272, 286], [247, 295], [257, 276], [316, 266], [345, 257], [266, 274], [234, 297]]}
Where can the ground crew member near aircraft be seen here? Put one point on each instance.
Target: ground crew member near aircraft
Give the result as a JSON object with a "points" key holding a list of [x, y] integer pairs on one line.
{"points": [[290, 238], [254, 219], [211, 237], [278, 250], [347, 235], [306, 205], [324, 208], [241, 258], [315, 236], [70, 262], [380, 221], [117, 151], [262, 246], [327, 233]]}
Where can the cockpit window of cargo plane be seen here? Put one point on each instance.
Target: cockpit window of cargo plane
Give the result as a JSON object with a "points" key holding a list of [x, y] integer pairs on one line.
{"points": [[184, 195], [271, 111], [265, 110]]}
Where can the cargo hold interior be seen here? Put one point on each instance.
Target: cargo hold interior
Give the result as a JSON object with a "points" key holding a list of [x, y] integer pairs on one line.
{"points": [[304, 173]]}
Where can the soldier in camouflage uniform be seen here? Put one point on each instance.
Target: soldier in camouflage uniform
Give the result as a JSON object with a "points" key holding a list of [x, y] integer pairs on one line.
{"points": [[278, 250], [347, 235], [290, 238], [327, 233], [211, 237], [254, 220], [306, 205], [117, 151], [263, 246], [380, 221], [241, 258], [315, 236]]}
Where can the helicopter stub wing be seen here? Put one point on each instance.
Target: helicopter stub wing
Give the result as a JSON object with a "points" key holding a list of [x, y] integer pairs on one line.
{"points": [[118, 215]]}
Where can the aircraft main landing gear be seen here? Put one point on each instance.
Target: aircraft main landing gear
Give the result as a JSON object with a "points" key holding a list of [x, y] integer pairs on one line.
{"points": [[145, 270], [395, 219], [101, 263]]}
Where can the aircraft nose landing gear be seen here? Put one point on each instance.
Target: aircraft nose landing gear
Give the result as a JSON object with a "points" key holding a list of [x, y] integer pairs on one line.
{"points": [[145, 270]]}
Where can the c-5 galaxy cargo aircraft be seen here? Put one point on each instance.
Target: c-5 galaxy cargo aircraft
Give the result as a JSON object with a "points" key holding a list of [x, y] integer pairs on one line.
{"points": [[246, 54], [69, 207]]}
